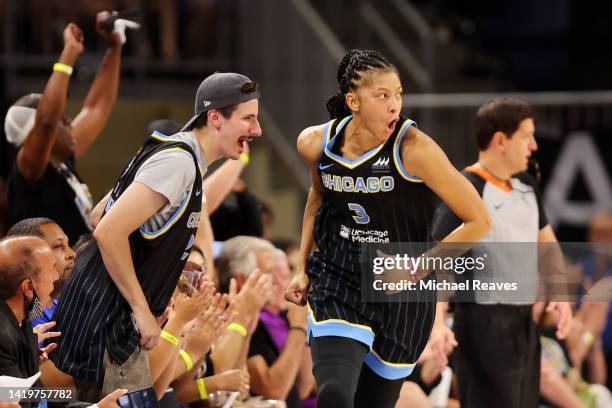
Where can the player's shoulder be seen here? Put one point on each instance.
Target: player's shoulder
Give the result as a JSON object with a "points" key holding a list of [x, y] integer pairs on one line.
{"points": [[175, 158], [417, 141], [475, 177], [310, 142]]}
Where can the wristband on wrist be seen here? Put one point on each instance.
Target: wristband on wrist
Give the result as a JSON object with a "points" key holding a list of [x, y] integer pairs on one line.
{"points": [[237, 327], [63, 68], [298, 329], [202, 388], [169, 337], [244, 157], [186, 359], [588, 338]]}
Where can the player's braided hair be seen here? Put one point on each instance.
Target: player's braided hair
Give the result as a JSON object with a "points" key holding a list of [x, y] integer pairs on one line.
{"points": [[353, 67]]}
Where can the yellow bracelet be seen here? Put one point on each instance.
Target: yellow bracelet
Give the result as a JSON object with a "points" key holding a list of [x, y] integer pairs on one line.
{"points": [[202, 388], [588, 338], [244, 157], [169, 337], [186, 359], [63, 68], [237, 327]]}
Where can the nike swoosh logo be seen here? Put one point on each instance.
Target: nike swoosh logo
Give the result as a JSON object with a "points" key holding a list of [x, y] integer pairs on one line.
{"points": [[322, 167], [497, 207], [198, 192]]}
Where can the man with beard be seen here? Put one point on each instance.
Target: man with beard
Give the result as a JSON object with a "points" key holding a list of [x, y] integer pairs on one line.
{"points": [[53, 235]]}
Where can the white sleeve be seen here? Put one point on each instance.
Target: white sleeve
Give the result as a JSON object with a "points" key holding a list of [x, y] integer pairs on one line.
{"points": [[170, 173]]}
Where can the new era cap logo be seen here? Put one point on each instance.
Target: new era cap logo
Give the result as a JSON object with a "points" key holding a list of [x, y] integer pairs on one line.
{"points": [[206, 103]]}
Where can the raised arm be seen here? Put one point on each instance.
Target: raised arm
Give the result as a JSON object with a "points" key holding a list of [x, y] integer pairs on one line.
{"points": [[219, 184], [103, 92], [35, 154], [309, 148]]}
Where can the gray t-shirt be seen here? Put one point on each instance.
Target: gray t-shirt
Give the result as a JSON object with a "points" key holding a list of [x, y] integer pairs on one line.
{"points": [[171, 173]]}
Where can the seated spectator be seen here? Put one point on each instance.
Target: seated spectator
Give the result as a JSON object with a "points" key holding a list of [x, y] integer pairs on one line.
{"points": [[43, 181], [53, 235], [274, 369], [593, 343], [561, 385], [190, 365], [27, 273], [240, 256], [248, 288], [279, 359]]}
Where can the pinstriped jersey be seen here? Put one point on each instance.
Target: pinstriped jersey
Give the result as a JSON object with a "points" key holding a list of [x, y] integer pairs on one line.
{"points": [[92, 314], [370, 200]]}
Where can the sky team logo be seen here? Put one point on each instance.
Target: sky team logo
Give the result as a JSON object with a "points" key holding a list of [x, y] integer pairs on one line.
{"points": [[381, 165]]}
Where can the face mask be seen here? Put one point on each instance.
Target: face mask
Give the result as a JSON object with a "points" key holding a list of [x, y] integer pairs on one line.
{"points": [[33, 309]]}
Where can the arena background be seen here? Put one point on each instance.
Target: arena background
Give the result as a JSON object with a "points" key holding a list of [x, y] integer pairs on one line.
{"points": [[453, 56]]}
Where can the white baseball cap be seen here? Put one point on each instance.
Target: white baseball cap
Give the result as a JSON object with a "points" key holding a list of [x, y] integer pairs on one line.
{"points": [[19, 119]]}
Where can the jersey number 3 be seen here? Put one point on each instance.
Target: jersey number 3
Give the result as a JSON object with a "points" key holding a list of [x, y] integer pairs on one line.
{"points": [[361, 216]]}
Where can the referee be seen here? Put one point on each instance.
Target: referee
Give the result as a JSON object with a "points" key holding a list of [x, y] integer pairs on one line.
{"points": [[498, 357], [126, 276]]}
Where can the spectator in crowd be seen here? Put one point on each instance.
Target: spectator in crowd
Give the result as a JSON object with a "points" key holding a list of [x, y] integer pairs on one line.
{"points": [[249, 288], [279, 360], [561, 382], [194, 323], [224, 367], [53, 235], [143, 239], [190, 366], [242, 258], [27, 273], [592, 341], [43, 181]]}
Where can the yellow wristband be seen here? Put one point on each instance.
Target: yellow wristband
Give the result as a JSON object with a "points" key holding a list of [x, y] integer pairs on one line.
{"points": [[63, 68], [588, 338], [186, 359], [244, 156], [202, 388], [169, 337], [237, 327]]}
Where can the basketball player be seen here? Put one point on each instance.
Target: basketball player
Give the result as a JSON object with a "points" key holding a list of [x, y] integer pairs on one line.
{"points": [[127, 275], [367, 139]]}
